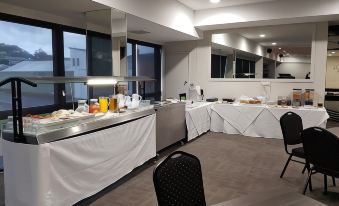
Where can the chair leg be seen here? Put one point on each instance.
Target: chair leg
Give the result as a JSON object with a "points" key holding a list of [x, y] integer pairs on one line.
{"points": [[333, 179], [308, 182], [288, 161], [325, 184], [304, 169]]}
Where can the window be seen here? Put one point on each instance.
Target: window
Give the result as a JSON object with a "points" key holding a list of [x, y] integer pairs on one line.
{"points": [[75, 64], [218, 67], [245, 68], [36, 48], [144, 59], [26, 51], [100, 61], [131, 71]]}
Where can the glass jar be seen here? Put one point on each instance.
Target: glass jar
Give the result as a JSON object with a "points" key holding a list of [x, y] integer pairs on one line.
{"points": [[94, 106], [82, 106], [297, 93], [309, 97]]}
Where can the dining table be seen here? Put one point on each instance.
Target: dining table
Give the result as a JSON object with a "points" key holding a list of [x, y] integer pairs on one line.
{"points": [[261, 120], [198, 119]]}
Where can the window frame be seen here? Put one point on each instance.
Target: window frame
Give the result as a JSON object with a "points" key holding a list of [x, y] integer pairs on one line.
{"points": [[58, 60], [157, 66]]}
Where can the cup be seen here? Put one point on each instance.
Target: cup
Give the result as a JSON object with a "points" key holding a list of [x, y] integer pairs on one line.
{"points": [[121, 100], [136, 97], [128, 102], [103, 102], [113, 103]]}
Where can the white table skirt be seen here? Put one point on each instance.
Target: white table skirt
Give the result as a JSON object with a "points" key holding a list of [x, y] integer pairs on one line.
{"points": [[198, 119], [67, 171], [260, 121]]}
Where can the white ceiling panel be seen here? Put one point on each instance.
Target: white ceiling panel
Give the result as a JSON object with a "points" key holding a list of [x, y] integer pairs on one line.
{"points": [[206, 4], [284, 35]]}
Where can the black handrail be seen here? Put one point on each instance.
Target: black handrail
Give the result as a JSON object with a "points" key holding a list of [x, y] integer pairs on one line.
{"points": [[17, 105]]}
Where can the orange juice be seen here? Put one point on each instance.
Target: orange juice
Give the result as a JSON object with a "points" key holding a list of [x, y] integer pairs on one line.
{"points": [[103, 101]]}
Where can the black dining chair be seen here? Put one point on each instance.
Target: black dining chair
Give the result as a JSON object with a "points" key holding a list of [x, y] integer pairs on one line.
{"points": [[291, 127], [322, 152], [178, 181]]}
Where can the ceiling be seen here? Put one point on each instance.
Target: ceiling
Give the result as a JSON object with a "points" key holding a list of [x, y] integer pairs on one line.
{"points": [[205, 4], [65, 8], [100, 15], [292, 35], [157, 33], [293, 40]]}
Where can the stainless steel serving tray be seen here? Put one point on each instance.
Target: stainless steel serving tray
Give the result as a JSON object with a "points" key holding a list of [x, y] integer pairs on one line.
{"points": [[80, 129]]}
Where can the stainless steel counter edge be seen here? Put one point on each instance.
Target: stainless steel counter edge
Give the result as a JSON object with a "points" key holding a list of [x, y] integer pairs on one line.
{"points": [[65, 133]]}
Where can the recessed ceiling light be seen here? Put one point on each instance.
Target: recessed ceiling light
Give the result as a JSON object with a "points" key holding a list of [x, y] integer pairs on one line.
{"points": [[274, 43], [214, 1], [333, 52], [279, 48], [262, 35]]}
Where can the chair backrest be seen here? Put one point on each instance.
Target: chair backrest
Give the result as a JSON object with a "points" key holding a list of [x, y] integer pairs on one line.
{"points": [[321, 148], [178, 181], [291, 127]]}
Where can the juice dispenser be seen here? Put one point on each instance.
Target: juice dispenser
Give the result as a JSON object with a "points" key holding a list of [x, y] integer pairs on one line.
{"points": [[296, 102]]}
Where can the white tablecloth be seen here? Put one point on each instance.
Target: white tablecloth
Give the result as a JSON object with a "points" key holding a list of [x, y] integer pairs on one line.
{"points": [[67, 171], [198, 119], [259, 120]]}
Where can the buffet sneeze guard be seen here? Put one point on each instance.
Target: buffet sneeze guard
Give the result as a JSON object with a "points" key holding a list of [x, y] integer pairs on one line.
{"points": [[16, 82]]}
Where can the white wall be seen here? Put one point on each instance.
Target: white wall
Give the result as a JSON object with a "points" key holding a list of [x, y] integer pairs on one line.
{"points": [[168, 13], [332, 75], [297, 69], [297, 66], [268, 13], [259, 68], [200, 64]]}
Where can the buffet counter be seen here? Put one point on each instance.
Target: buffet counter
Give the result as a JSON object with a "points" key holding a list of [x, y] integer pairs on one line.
{"points": [[260, 120], [66, 165], [45, 132]]}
